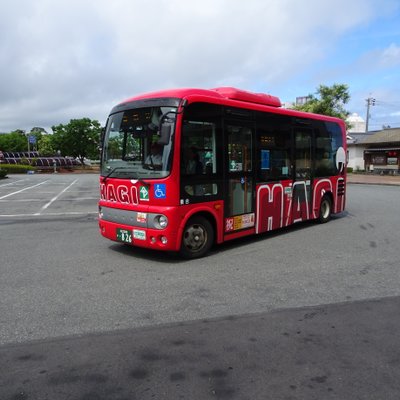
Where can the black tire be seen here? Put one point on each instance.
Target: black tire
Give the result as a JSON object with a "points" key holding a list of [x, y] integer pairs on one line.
{"points": [[197, 238], [325, 209]]}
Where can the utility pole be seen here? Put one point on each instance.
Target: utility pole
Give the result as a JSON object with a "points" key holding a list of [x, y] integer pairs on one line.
{"points": [[370, 102]]}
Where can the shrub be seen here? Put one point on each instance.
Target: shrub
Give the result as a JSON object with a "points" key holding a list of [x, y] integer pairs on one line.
{"points": [[3, 173], [24, 161], [349, 170], [17, 168]]}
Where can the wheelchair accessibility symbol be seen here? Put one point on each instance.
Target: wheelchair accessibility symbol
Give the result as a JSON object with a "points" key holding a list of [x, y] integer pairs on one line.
{"points": [[160, 191]]}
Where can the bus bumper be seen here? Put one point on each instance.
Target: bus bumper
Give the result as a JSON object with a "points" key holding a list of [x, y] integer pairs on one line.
{"points": [[165, 239]]}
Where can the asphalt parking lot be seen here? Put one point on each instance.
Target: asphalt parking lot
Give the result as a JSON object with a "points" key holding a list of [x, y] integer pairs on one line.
{"points": [[24, 196], [310, 312]]}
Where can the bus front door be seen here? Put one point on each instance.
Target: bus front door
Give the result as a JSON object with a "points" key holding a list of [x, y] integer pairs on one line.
{"points": [[239, 204]]}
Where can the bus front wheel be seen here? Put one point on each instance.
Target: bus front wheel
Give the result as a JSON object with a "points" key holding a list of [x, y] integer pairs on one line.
{"points": [[325, 209], [197, 238]]}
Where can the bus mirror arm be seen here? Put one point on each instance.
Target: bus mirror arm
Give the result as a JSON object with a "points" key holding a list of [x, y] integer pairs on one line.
{"points": [[100, 147], [102, 136], [165, 129], [153, 127]]}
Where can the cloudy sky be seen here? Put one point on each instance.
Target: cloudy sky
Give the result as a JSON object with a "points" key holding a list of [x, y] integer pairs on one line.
{"points": [[67, 59]]}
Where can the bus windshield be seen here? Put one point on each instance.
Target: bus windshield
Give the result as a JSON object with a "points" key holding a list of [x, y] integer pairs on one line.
{"points": [[138, 143]]}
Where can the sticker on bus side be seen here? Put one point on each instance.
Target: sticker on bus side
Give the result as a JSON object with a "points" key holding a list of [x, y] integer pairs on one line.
{"points": [[144, 193], [160, 191], [239, 222], [141, 217], [288, 191], [228, 224], [247, 221]]}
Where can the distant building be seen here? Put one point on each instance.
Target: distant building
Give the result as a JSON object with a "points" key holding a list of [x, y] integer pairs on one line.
{"points": [[377, 151], [382, 153], [301, 100], [355, 149], [357, 123]]}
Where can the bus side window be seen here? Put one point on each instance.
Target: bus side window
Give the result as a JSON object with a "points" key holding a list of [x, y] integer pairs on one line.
{"points": [[274, 143], [200, 165], [198, 158], [274, 157]]}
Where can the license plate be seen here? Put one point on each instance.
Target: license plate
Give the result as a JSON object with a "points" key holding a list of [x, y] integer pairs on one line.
{"points": [[123, 235]]}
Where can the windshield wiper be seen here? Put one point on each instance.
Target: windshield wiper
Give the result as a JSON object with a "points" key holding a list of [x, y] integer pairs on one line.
{"points": [[116, 169], [111, 172]]}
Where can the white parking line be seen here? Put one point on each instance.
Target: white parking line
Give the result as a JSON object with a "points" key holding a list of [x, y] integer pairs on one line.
{"points": [[22, 190], [41, 200], [80, 199], [12, 183], [49, 214], [21, 200], [55, 198]]}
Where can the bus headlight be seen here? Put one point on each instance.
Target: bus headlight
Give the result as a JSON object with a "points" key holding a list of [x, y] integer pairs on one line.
{"points": [[161, 221]]}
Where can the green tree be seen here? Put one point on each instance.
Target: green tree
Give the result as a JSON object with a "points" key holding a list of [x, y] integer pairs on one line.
{"points": [[79, 138], [38, 129], [328, 100], [45, 145], [3, 142], [14, 141]]}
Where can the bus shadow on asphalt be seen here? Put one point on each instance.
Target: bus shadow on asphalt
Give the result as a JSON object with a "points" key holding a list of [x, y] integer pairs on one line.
{"points": [[162, 257], [174, 258]]}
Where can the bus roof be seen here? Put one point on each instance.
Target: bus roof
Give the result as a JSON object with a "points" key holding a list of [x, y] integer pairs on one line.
{"points": [[222, 93], [229, 96]]}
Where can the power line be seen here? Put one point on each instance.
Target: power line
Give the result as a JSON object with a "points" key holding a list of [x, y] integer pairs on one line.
{"points": [[387, 104], [371, 102]]}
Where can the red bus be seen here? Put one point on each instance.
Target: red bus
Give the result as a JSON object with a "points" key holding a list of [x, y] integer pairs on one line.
{"points": [[184, 169]]}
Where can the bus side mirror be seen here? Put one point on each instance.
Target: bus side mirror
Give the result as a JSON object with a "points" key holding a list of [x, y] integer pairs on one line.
{"points": [[165, 134], [100, 146]]}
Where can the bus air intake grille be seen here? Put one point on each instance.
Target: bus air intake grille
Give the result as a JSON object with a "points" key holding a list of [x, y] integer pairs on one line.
{"points": [[340, 190]]}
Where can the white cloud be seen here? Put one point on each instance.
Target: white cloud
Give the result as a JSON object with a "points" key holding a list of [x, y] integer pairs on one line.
{"points": [[69, 59], [390, 56]]}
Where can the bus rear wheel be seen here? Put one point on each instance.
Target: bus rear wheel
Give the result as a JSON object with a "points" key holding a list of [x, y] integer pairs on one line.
{"points": [[325, 209], [197, 238]]}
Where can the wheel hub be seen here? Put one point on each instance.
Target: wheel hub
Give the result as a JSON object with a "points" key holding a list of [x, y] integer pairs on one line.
{"points": [[195, 237]]}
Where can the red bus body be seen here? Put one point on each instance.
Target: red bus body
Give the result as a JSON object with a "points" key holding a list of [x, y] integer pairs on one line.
{"points": [[266, 170]]}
